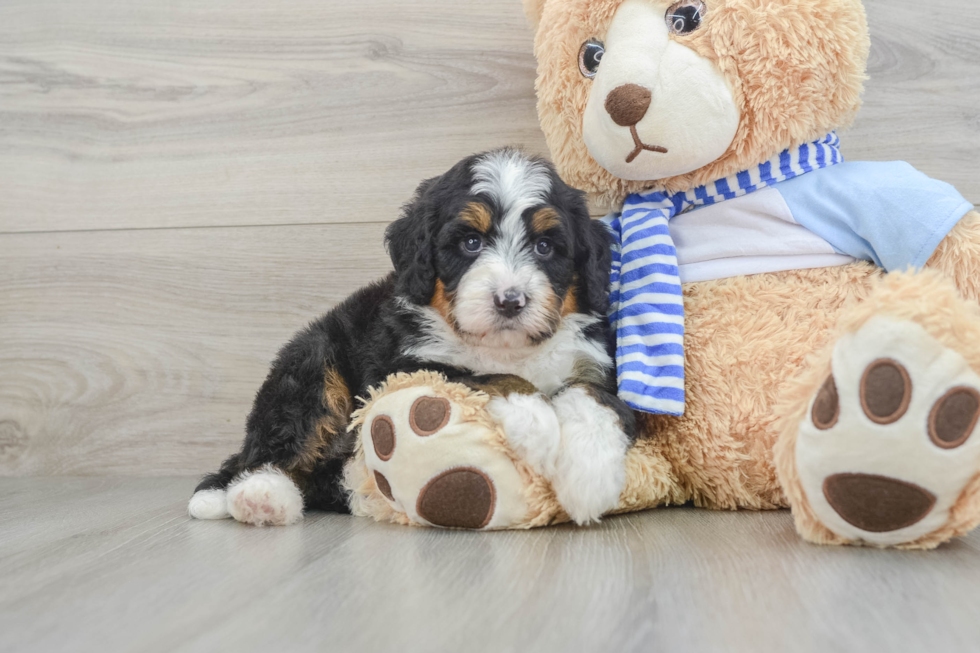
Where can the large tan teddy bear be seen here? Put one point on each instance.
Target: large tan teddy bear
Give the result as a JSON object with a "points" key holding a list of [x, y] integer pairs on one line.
{"points": [[793, 330]]}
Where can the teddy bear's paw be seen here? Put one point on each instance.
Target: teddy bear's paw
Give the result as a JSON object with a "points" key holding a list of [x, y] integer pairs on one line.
{"points": [[889, 443], [531, 427], [265, 497], [591, 466], [438, 468]]}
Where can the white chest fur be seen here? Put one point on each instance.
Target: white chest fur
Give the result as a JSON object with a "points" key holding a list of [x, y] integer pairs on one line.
{"points": [[547, 365]]}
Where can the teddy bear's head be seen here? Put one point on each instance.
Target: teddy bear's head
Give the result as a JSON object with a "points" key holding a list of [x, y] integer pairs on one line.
{"points": [[672, 94]]}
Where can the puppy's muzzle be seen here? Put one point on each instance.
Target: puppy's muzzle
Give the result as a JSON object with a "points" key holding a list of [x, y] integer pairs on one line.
{"points": [[510, 302]]}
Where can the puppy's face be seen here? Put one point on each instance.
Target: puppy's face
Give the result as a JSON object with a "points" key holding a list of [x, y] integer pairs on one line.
{"points": [[503, 250]]}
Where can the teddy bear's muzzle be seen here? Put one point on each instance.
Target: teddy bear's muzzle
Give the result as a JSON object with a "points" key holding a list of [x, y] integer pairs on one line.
{"points": [[627, 105]]}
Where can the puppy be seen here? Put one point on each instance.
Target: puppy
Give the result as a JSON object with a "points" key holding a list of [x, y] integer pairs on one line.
{"points": [[499, 273]]}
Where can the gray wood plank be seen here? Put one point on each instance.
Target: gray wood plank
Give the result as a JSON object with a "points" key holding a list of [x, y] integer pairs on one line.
{"points": [[110, 564], [211, 112], [922, 102], [139, 352]]}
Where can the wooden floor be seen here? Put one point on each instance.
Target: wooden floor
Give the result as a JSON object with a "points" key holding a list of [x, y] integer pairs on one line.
{"points": [[100, 564]]}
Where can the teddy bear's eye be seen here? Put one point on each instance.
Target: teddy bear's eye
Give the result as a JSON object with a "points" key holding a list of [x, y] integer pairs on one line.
{"points": [[685, 16], [589, 57]]}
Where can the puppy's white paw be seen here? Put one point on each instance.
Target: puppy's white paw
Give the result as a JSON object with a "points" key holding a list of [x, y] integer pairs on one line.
{"points": [[208, 504], [590, 470], [265, 497], [532, 429]]}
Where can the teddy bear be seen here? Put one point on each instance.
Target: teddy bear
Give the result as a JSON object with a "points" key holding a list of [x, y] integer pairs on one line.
{"points": [[792, 330]]}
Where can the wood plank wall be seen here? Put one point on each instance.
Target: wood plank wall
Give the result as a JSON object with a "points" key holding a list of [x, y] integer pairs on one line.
{"points": [[183, 184]]}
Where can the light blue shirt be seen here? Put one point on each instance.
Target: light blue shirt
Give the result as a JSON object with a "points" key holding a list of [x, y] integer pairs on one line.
{"points": [[887, 213]]}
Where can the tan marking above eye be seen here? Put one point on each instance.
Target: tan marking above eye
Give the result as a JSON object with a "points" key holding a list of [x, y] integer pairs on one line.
{"points": [[953, 418], [545, 219], [886, 391], [477, 215]]}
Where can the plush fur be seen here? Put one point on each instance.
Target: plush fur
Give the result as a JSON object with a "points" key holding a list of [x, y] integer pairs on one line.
{"points": [[758, 348], [483, 435], [498, 271], [927, 299], [795, 70]]}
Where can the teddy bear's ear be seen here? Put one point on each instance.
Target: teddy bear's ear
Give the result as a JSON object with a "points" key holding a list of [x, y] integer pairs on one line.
{"points": [[533, 10]]}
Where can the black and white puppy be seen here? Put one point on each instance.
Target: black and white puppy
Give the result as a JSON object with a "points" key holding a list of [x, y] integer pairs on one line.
{"points": [[499, 273]]}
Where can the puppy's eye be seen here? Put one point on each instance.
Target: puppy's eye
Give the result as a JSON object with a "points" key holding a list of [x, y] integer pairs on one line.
{"points": [[589, 57], [685, 16], [472, 244], [544, 248]]}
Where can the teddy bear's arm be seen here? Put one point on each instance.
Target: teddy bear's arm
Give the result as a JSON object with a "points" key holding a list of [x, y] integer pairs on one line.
{"points": [[958, 255]]}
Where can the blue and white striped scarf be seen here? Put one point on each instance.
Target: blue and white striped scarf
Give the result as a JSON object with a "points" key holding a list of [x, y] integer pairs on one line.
{"points": [[646, 306]]}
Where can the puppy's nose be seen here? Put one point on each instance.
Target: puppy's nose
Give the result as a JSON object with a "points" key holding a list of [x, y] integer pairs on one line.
{"points": [[627, 104], [510, 303]]}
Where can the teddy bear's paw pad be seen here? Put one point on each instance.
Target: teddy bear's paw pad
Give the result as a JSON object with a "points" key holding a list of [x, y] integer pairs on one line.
{"points": [[877, 504], [886, 391], [384, 487], [458, 498], [265, 497], [383, 437], [437, 467], [889, 442], [428, 415]]}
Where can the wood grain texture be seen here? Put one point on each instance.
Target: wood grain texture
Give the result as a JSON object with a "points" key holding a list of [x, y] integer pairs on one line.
{"points": [[185, 184], [922, 102], [210, 112], [116, 565], [140, 351]]}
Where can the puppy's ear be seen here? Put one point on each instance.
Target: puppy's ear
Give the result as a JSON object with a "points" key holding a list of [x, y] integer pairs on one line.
{"points": [[594, 269], [410, 241], [593, 257]]}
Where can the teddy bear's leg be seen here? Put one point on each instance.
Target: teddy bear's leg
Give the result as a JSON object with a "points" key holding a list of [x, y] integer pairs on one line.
{"points": [[879, 441], [431, 454]]}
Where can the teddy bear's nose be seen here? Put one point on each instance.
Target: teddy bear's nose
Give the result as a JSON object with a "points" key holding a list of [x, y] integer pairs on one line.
{"points": [[627, 104]]}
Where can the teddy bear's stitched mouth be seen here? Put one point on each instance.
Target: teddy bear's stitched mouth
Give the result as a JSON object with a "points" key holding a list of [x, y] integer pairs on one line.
{"points": [[641, 146]]}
